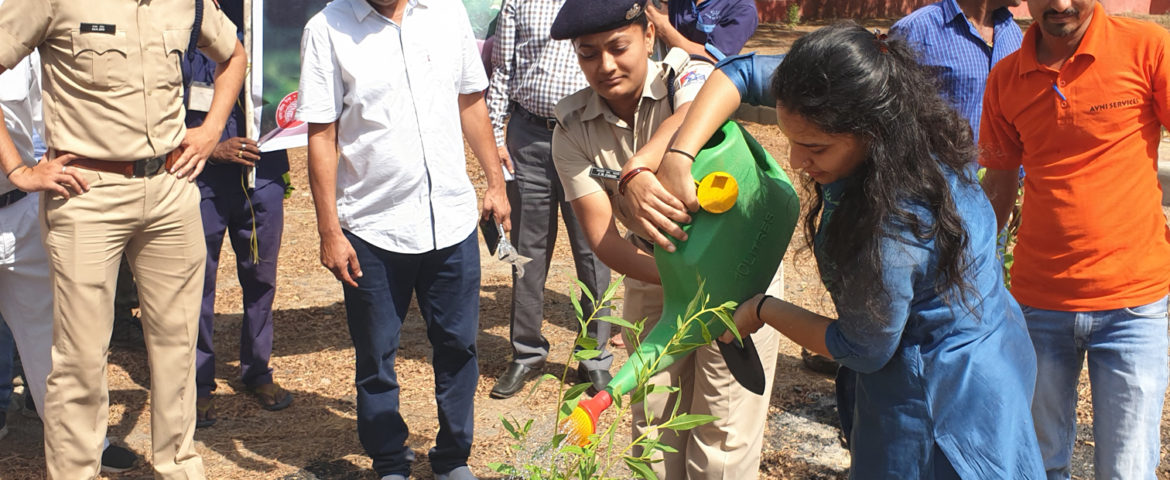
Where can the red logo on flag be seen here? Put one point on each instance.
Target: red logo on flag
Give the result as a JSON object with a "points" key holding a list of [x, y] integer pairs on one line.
{"points": [[286, 112]]}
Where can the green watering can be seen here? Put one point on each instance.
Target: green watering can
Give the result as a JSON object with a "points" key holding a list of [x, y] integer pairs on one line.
{"points": [[734, 247]]}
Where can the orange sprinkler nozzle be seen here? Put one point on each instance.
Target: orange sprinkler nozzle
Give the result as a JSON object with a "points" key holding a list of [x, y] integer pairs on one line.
{"points": [[582, 423]]}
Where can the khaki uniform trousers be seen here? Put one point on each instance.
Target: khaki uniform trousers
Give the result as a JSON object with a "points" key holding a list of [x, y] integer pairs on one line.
{"points": [[728, 448], [156, 222]]}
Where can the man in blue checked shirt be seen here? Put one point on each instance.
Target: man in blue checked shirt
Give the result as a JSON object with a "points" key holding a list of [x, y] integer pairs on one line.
{"points": [[532, 73], [960, 40]]}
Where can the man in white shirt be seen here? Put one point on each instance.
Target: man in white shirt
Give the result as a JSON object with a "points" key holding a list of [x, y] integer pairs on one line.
{"points": [[390, 83]]}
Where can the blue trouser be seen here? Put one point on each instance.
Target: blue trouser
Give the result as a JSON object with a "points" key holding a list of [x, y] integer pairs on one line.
{"points": [[447, 284], [7, 358], [1126, 349], [229, 212]]}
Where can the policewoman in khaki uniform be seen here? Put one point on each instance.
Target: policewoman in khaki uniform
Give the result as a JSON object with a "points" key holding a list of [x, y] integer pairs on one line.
{"points": [[608, 140], [118, 178]]}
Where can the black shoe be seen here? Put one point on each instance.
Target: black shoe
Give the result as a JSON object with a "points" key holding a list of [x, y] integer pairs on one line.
{"points": [[3, 425], [598, 379], [818, 363], [512, 380], [117, 459], [30, 408]]}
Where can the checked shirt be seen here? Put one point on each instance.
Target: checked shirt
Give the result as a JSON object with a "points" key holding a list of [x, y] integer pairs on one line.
{"points": [[530, 69]]}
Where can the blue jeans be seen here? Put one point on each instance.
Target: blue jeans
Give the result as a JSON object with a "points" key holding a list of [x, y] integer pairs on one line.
{"points": [[7, 356], [447, 284], [1128, 373]]}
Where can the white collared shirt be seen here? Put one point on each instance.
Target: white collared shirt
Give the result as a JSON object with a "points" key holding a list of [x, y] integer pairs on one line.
{"points": [[20, 98], [394, 90]]}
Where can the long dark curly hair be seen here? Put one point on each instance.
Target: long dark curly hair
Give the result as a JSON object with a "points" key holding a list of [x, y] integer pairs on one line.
{"points": [[845, 79]]}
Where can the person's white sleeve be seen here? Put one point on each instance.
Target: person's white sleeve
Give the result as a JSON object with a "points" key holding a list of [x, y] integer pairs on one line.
{"points": [[34, 93], [321, 91], [473, 79]]}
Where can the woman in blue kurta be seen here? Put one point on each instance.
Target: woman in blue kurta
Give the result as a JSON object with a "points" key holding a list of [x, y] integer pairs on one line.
{"points": [[906, 245]]}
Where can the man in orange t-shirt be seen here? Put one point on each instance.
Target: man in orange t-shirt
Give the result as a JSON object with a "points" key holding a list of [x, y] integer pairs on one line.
{"points": [[1081, 106]]}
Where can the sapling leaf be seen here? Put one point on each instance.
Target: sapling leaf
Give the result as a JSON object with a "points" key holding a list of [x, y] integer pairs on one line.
{"points": [[587, 342], [727, 321], [706, 332], [581, 355], [638, 395], [642, 393], [575, 391], [536, 384], [503, 468], [666, 448], [640, 469], [619, 321], [609, 292], [585, 291], [577, 308], [693, 306], [687, 421], [510, 428]]}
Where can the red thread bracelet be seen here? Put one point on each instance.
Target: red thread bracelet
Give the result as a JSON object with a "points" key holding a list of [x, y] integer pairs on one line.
{"points": [[629, 176]]}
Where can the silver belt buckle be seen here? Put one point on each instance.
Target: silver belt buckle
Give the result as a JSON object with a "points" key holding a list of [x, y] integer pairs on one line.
{"points": [[149, 167]]}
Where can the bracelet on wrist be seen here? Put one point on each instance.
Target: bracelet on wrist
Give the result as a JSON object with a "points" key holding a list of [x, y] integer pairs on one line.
{"points": [[10, 172], [625, 180], [681, 152], [760, 307]]}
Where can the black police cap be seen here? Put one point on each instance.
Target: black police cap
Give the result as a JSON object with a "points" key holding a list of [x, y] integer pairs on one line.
{"points": [[583, 17]]}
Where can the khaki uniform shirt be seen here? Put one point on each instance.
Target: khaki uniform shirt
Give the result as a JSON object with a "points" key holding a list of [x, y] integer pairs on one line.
{"points": [[111, 76], [588, 134]]}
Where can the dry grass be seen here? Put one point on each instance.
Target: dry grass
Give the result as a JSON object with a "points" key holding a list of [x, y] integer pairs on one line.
{"points": [[313, 357]]}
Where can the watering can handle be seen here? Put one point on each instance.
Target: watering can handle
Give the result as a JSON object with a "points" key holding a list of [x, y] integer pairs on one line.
{"points": [[744, 364]]}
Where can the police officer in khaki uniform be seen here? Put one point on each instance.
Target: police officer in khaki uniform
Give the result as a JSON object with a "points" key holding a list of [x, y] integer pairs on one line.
{"points": [[118, 178], [608, 142]]}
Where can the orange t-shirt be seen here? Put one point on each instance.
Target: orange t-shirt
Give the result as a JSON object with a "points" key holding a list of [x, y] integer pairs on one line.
{"points": [[1093, 235]]}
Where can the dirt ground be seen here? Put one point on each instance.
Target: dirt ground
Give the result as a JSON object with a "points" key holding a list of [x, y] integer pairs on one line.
{"points": [[313, 357]]}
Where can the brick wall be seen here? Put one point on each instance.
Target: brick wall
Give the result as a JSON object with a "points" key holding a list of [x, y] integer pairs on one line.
{"points": [[777, 10]]}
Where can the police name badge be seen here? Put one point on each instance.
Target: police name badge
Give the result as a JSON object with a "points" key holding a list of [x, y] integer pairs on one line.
{"points": [[200, 95], [597, 172], [107, 28]]}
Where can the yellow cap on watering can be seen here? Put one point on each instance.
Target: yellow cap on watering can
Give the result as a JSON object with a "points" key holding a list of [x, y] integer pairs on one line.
{"points": [[717, 192]]}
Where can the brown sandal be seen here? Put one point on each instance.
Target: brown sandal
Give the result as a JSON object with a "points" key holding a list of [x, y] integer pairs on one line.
{"points": [[271, 396]]}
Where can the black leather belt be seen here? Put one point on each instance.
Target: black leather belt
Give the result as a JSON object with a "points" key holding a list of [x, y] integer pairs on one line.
{"points": [[548, 122], [9, 198]]}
